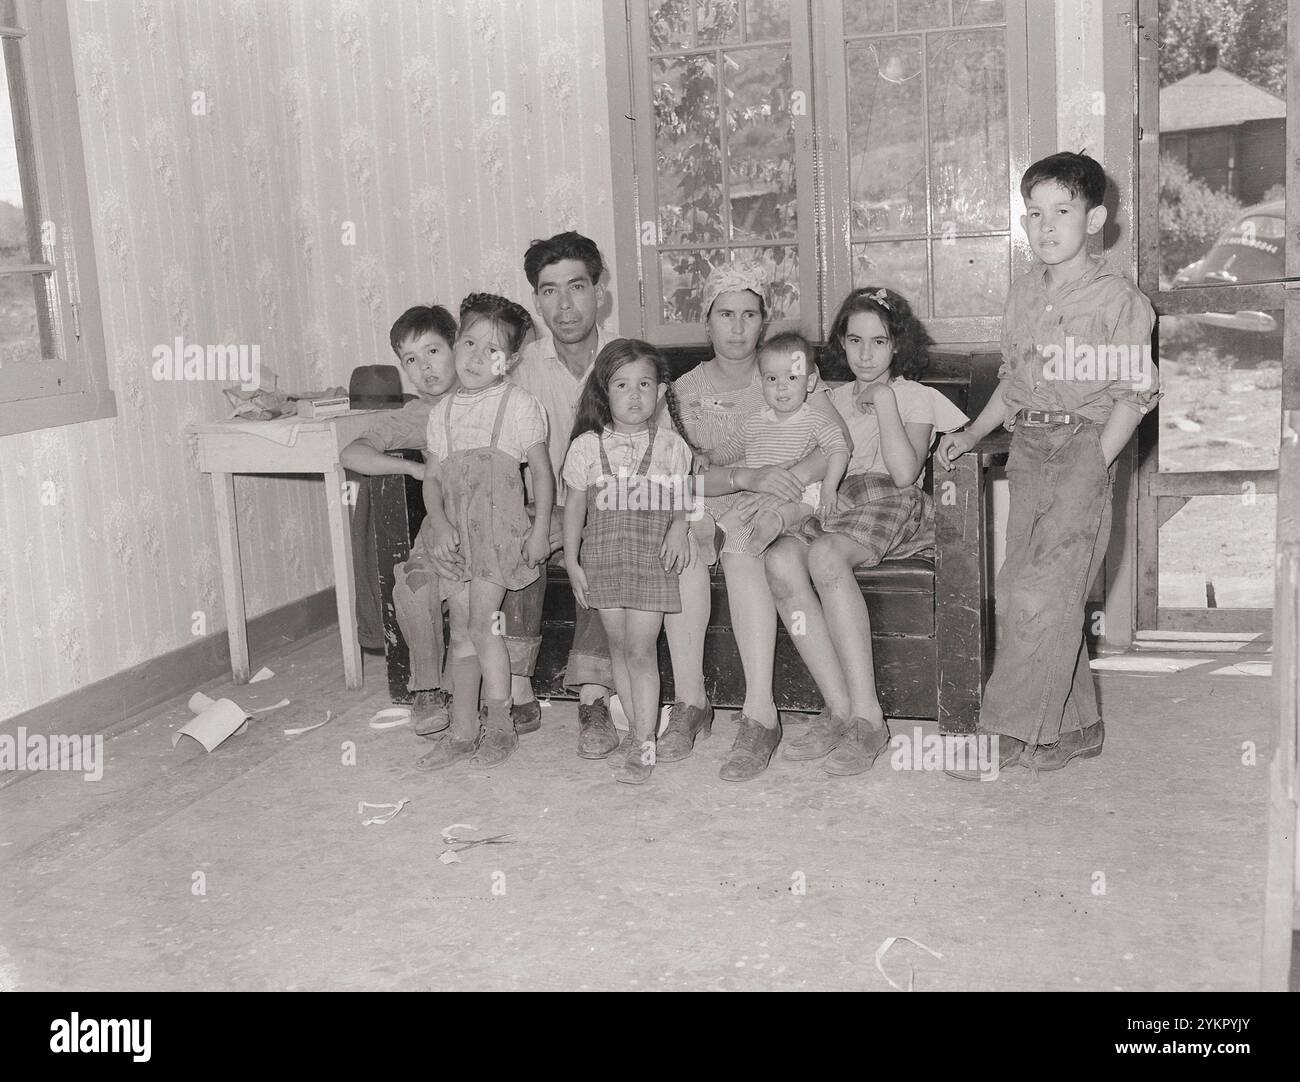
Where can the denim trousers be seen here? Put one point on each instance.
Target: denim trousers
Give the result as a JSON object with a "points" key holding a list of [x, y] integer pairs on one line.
{"points": [[1057, 532]]}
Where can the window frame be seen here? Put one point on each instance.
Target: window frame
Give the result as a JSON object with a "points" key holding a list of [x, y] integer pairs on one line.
{"points": [[821, 165], [635, 51], [73, 387]]}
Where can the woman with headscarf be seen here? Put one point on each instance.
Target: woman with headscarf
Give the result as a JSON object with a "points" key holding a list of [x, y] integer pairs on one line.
{"points": [[715, 398]]}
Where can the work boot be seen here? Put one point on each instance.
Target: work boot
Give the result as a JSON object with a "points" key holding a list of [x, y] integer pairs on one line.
{"points": [[686, 724], [1080, 744], [499, 740], [818, 737], [858, 748], [597, 736], [432, 712], [752, 749]]}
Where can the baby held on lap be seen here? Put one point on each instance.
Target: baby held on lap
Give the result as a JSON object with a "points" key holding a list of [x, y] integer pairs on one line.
{"points": [[789, 432]]}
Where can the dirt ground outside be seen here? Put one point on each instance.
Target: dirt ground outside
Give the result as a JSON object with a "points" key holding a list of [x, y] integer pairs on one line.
{"points": [[1221, 411]]}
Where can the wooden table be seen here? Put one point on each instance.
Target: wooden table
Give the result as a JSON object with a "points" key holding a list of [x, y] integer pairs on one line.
{"points": [[286, 445]]}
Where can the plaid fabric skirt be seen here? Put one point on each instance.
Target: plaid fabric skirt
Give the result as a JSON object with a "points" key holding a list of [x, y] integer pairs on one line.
{"points": [[891, 523], [620, 557]]}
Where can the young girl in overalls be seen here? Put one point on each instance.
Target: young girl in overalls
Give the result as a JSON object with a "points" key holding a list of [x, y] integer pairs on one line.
{"points": [[483, 541], [625, 532]]}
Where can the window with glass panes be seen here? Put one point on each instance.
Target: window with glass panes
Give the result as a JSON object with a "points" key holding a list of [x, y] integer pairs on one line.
{"points": [[52, 365], [864, 142]]}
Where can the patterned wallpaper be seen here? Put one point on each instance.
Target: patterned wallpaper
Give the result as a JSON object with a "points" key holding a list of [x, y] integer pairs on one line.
{"points": [[289, 174]]}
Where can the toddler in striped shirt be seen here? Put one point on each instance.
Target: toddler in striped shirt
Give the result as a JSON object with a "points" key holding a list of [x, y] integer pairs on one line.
{"points": [[806, 438]]}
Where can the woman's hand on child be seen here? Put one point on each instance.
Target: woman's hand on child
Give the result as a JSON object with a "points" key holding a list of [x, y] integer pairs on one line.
{"points": [[951, 448], [578, 580], [776, 481], [675, 552], [703, 460], [537, 546]]}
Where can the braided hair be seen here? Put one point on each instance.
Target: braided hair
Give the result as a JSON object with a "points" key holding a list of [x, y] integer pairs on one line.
{"points": [[504, 313], [593, 405]]}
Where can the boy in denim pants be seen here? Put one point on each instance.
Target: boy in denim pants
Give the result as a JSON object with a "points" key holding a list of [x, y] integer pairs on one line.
{"points": [[1076, 378]]}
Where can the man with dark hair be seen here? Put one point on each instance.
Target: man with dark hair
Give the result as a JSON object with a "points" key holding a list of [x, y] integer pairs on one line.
{"points": [[565, 272]]}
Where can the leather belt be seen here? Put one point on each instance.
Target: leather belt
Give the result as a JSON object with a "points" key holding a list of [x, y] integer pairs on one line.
{"points": [[1037, 418]]}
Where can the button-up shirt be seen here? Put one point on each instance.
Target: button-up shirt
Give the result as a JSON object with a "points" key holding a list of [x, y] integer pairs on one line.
{"points": [[542, 374], [1081, 348]]}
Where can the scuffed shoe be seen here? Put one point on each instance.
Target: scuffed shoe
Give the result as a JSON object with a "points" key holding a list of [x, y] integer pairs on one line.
{"points": [[447, 750], [686, 724], [432, 711], [1080, 744], [752, 749], [597, 736], [1010, 753], [638, 760], [527, 716], [858, 748], [499, 739], [495, 746], [818, 738]]}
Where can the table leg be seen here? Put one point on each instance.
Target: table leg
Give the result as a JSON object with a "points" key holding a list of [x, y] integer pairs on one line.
{"points": [[232, 575], [344, 587]]}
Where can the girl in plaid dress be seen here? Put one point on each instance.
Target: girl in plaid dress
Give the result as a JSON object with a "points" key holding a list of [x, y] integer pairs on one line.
{"points": [[880, 512], [625, 532]]}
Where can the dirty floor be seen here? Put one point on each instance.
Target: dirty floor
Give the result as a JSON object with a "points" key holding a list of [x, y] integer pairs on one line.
{"points": [[250, 867]]}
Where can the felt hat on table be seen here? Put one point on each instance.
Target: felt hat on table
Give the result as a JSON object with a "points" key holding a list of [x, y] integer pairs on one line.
{"points": [[376, 387]]}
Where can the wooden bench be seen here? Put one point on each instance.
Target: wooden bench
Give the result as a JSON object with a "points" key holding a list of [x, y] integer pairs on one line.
{"points": [[930, 618]]}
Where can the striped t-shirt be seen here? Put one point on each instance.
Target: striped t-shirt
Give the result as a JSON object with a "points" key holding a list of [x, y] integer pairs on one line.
{"points": [[762, 439]]}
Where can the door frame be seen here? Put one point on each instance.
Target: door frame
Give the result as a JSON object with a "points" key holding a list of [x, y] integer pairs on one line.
{"points": [[1161, 495]]}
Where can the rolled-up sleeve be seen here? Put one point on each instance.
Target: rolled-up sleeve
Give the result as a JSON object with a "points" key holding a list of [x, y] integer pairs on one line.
{"points": [[1139, 386], [399, 430]]}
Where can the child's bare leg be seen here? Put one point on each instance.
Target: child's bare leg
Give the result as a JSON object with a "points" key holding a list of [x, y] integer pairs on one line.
{"points": [[613, 621], [460, 740], [487, 629], [638, 673], [642, 659]]}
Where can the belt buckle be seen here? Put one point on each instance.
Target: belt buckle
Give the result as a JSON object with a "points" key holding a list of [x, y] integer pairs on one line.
{"points": [[1036, 418]]}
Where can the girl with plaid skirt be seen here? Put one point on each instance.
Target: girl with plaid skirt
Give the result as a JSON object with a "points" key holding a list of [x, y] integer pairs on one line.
{"points": [[625, 530], [880, 512]]}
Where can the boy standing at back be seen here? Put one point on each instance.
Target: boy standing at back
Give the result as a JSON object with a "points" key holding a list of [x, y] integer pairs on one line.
{"points": [[1076, 378]]}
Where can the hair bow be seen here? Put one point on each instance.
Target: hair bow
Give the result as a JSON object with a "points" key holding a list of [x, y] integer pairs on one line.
{"points": [[881, 297]]}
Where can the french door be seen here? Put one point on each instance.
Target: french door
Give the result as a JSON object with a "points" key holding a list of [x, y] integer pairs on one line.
{"points": [[1219, 257]]}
